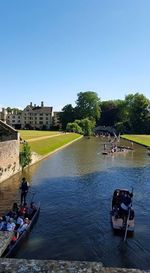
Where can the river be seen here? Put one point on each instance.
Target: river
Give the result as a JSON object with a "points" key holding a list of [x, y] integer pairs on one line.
{"points": [[75, 187]]}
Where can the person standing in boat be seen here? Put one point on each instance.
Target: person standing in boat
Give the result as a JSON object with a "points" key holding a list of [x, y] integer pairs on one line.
{"points": [[24, 190]]}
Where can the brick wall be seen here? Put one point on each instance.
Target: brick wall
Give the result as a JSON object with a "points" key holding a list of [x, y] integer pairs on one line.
{"points": [[9, 159]]}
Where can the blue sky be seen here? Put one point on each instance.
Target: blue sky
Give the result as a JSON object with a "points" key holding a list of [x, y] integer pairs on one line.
{"points": [[50, 50]]}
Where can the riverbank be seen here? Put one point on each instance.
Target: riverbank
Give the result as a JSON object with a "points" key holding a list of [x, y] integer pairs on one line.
{"points": [[51, 266], [139, 139], [55, 147], [43, 145]]}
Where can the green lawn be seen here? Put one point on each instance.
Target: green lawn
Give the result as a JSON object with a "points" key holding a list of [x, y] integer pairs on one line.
{"points": [[48, 145], [29, 134], [141, 139]]}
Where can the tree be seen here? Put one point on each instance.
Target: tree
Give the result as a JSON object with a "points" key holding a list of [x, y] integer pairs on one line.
{"points": [[88, 105], [83, 126], [74, 127], [138, 112], [25, 155], [113, 111], [67, 115]]}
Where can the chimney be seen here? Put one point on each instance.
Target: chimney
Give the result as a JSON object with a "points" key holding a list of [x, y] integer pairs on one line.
{"points": [[42, 104]]}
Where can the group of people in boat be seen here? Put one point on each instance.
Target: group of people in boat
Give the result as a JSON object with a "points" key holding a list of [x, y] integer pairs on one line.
{"points": [[122, 205], [19, 216]]}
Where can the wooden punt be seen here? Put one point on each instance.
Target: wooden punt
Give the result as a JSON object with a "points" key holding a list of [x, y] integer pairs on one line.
{"points": [[12, 249], [122, 220]]}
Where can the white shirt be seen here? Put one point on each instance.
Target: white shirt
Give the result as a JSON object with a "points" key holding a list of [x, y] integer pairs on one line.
{"points": [[10, 226], [20, 221], [22, 228]]}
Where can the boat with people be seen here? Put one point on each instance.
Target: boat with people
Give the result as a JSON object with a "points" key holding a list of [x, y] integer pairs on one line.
{"points": [[122, 212], [21, 231]]}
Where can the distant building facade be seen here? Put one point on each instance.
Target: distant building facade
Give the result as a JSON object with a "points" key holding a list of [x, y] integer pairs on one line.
{"points": [[37, 117], [56, 120], [32, 117]]}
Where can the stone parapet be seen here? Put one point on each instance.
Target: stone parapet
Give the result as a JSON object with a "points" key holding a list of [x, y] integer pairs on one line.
{"points": [[50, 266], [9, 159]]}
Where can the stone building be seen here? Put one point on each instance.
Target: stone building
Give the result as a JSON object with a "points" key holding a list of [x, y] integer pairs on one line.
{"points": [[36, 117], [32, 117], [9, 151], [56, 120]]}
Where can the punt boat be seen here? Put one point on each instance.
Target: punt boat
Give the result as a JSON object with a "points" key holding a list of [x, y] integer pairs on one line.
{"points": [[12, 248], [122, 213]]}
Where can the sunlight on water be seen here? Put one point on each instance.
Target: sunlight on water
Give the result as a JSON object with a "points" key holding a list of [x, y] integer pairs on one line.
{"points": [[75, 188]]}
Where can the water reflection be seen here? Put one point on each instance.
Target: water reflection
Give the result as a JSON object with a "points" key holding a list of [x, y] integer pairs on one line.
{"points": [[75, 187]]}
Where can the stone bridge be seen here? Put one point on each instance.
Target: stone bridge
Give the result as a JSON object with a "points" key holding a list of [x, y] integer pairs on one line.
{"points": [[50, 266]]}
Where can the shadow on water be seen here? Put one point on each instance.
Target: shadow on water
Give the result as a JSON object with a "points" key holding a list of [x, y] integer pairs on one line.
{"points": [[74, 222], [75, 188]]}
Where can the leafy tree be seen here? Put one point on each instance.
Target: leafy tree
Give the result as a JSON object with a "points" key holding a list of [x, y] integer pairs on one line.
{"points": [[15, 110], [67, 115], [87, 126], [88, 105], [113, 111], [83, 126], [138, 112], [25, 155], [74, 127]]}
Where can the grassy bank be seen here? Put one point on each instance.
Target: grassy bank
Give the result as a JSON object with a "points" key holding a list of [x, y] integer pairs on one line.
{"points": [[29, 134], [141, 139], [45, 146]]}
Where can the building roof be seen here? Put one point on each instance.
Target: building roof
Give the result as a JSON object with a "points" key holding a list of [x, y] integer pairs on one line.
{"points": [[39, 109]]}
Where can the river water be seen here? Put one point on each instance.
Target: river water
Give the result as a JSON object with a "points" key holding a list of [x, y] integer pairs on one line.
{"points": [[75, 188]]}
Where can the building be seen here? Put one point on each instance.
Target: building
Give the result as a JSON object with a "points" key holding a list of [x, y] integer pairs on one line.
{"points": [[56, 120], [36, 117], [32, 117]]}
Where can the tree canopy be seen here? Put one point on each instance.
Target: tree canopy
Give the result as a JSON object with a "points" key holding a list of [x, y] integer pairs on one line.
{"points": [[88, 105]]}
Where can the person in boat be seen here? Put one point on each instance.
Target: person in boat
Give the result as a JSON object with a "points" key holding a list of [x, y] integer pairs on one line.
{"points": [[104, 146], [24, 190], [125, 205], [116, 199], [19, 221], [23, 227], [15, 208], [10, 225], [4, 223], [13, 213], [1, 223], [32, 209]]}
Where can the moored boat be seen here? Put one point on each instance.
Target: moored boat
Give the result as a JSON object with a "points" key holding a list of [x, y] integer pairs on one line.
{"points": [[13, 247], [122, 214]]}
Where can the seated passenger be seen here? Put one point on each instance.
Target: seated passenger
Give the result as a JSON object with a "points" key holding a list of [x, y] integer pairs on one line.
{"points": [[19, 221], [32, 210], [22, 209], [11, 225], [4, 223], [15, 208], [116, 199], [22, 228], [1, 223]]}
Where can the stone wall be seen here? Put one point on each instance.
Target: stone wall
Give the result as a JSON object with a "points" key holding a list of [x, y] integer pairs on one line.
{"points": [[9, 159], [49, 266]]}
